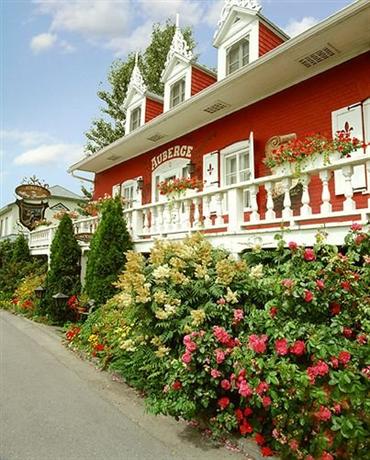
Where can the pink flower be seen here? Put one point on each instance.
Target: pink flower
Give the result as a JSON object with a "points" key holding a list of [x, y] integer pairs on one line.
{"points": [[238, 315], [366, 372], [223, 402], [258, 343], [221, 301], [309, 255], [186, 357], [320, 284], [337, 408], [225, 384], [323, 414], [361, 339], [334, 361], [191, 346], [215, 373], [244, 389], [308, 296], [292, 245], [344, 357], [281, 347], [287, 283], [266, 401], [298, 348], [262, 387], [293, 444], [186, 339], [356, 227], [220, 356], [221, 335]]}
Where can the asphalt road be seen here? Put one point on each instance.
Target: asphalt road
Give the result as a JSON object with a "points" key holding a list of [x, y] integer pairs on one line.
{"points": [[53, 406]]}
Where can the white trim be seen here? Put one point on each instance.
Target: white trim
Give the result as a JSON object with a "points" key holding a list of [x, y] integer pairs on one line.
{"points": [[142, 104], [169, 168], [181, 71]]}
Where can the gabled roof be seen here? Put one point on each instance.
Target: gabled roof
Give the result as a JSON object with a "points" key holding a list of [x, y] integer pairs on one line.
{"points": [[136, 84], [61, 192]]}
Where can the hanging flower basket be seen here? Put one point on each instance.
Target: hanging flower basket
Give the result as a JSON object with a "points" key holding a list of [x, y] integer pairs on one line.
{"points": [[175, 188]]}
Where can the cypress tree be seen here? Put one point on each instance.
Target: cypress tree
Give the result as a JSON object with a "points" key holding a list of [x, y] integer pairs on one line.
{"points": [[64, 272], [107, 253], [21, 252]]}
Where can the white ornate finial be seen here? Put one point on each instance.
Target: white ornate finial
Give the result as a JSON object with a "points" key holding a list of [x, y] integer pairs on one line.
{"points": [[177, 20], [137, 80], [250, 4], [178, 45]]}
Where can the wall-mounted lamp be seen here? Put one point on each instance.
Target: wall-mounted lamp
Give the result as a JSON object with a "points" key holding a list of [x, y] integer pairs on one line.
{"points": [[140, 183], [191, 168]]}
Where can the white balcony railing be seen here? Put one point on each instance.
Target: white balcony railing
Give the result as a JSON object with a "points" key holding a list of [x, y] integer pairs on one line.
{"points": [[223, 210]]}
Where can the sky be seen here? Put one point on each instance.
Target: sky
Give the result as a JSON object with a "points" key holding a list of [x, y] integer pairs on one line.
{"points": [[55, 55]]}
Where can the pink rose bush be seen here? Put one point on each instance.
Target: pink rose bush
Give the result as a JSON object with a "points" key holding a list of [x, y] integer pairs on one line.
{"points": [[282, 359]]}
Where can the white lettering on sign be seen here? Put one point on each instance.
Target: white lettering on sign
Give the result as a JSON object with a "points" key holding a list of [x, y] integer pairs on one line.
{"points": [[178, 151]]}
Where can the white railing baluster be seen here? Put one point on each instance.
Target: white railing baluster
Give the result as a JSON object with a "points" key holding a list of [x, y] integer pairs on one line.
{"points": [[349, 203], [287, 211], [325, 207], [305, 208], [186, 216], [219, 209], [207, 211], [253, 191], [270, 213]]}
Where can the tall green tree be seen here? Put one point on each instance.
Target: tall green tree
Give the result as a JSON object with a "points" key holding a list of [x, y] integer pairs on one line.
{"points": [[21, 251], [107, 256], [110, 125], [64, 271]]}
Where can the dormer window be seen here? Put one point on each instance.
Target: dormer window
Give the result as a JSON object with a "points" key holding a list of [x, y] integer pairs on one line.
{"points": [[237, 55], [177, 94], [135, 119]]}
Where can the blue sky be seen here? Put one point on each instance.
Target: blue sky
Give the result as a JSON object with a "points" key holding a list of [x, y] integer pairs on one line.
{"points": [[56, 53]]}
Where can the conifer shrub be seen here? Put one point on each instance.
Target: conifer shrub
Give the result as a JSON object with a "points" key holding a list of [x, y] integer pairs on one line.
{"points": [[278, 352], [64, 271], [107, 258]]}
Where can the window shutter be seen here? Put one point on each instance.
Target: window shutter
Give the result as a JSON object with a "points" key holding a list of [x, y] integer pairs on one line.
{"points": [[343, 119], [251, 155], [210, 170]]}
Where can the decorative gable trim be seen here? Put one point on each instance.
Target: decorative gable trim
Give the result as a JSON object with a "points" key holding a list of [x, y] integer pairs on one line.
{"points": [[136, 85]]}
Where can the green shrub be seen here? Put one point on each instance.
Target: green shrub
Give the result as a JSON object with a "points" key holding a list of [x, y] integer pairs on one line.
{"points": [[277, 351], [64, 271], [107, 252]]}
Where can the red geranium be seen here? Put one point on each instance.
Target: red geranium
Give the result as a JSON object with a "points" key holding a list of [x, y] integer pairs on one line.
{"points": [[344, 357], [177, 385], [258, 343], [260, 440], [298, 348], [245, 428], [309, 255], [223, 402], [225, 384], [266, 451], [281, 347], [335, 308], [308, 296]]}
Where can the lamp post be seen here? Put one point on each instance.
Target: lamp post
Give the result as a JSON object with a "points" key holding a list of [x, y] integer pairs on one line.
{"points": [[39, 292], [191, 168], [60, 299]]}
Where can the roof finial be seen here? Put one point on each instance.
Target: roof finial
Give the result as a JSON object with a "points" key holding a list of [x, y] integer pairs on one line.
{"points": [[179, 45], [249, 4], [177, 20], [136, 58]]}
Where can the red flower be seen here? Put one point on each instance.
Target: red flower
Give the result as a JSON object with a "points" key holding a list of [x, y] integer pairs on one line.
{"points": [[262, 387], [245, 428], [320, 284], [191, 346], [273, 312], [220, 356], [356, 227], [337, 408], [223, 402], [326, 456], [99, 347], [177, 385], [215, 373], [346, 285], [221, 301], [294, 444], [334, 308], [239, 415], [334, 362], [267, 452], [260, 440], [221, 335], [225, 384], [287, 283], [244, 389], [308, 296], [360, 238], [266, 401], [347, 332], [298, 348], [238, 315], [186, 357], [344, 357], [258, 343], [292, 245], [281, 347], [309, 255], [248, 411], [361, 339], [323, 414]]}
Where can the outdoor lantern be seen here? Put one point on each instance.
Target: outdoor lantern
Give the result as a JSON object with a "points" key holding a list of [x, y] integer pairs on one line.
{"points": [[191, 168], [140, 183], [60, 299], [39, 292]]}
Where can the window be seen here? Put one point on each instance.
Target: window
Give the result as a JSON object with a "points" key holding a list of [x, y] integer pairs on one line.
{"points": [[237, 56], [135, 118], [129, 193], [177, 94]]}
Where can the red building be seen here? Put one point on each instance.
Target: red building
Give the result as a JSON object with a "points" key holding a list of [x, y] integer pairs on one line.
{"points": [[218, 127]]}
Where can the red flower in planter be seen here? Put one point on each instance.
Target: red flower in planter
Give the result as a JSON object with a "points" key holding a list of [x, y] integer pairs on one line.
{"points": [[298, 348], [221, 335], [308, 296], [186, 357], [99, 347], [191, 346], [244, 389], [360, 238], [220, 356], [294, 444], [309, 255], [344, 357], [248, 411], [281, 347], [238, 315], [356, 227], [266, 451], [239, 415], [260, 439], [337, 408], [223, 402], [287, 283]]}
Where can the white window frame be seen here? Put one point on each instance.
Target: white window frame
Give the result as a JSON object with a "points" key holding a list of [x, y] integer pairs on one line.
{"points": [[235, 150], [240, 55], [135, 105], [180, 71], [181, 95], [132, 120], [177, 167], [130, 184]]}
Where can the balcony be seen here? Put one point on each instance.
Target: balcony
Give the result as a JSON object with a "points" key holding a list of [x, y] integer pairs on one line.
{"points": [[222, 217]]}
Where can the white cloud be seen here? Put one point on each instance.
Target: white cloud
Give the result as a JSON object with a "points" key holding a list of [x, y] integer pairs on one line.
{"points": [[137, 40], [66, 47], [43, 42], [48, 154], [191, 11], [296, 27], [24, 138], [212, 15]]}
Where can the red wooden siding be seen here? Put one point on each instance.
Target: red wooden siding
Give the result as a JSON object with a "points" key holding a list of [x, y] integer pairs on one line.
{"points": [[152, 109], [200, 80], [268, 40], [303, 108]]}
